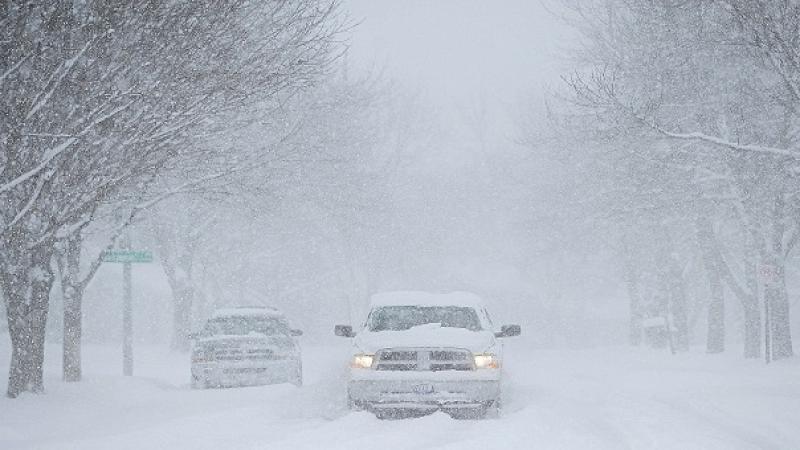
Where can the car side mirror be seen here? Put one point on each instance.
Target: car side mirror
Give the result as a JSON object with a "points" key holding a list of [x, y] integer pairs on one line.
{"points": [[295, 332], [343, 331], [509, 331]]}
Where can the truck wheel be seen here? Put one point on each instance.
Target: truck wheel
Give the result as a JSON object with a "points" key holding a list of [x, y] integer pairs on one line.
{"points": [[488, 410], [352, 405], [468, 413], [395, 414], [493, 409], [199, 383]]}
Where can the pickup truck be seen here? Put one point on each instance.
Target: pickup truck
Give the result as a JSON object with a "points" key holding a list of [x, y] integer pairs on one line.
{"points": [[246, 346], [419, 352]]}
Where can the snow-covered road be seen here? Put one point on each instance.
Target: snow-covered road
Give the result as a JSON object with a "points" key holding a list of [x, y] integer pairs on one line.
{"points": [[590, 399]]}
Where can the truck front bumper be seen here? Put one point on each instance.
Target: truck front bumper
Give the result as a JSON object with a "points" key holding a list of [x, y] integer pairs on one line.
{"points": [[237, 373], [376, 390]]}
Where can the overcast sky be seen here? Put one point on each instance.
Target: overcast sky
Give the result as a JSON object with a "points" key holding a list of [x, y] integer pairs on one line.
{"points": [[457, 51]]}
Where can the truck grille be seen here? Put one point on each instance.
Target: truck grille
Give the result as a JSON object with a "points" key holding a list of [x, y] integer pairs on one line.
{"points": [[424, 359], [235, 354]]}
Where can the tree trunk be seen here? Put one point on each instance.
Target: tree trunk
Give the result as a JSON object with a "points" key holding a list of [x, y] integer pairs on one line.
{"points": [[775, 291], [678, 306], [747, 294], [752, 329], [177, 251], [635, 327], [20, 368], [752, 312], [27, 293], [715, 341], [180, 282], [632, 278], [41, 284], [72, 336], [779, 318], [72, 293], [673, 284], [778, 305], [182, 317]]}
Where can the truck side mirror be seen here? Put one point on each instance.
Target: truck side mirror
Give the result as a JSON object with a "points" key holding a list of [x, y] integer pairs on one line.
{"points": [[509, 331], [343, 331]]}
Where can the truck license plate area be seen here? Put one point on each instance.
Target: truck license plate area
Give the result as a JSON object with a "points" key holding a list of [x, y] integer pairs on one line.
{"points": [[422, 389]]}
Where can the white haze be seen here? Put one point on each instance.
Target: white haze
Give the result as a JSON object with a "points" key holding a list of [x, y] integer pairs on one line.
{"points": [[528, 151], [467, 192]]}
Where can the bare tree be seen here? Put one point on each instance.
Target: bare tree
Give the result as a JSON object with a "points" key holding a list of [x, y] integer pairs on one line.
{"points": [[647, 69], [100, 98]]}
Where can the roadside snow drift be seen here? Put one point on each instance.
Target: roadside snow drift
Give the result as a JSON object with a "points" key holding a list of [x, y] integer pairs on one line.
{"points": [[594, 399]]}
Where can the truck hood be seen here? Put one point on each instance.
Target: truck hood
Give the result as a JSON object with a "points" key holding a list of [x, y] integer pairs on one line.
{"points": [[425, 336]]}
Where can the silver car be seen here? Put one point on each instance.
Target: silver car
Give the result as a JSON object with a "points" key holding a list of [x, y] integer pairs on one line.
{"points": [[246, 346]]}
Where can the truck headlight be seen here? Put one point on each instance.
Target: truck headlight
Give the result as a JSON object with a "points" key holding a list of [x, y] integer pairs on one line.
{"points": [[486, 361], [362, 361]]}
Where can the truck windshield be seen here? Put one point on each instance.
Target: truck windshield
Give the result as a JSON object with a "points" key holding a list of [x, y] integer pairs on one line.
{"points": [[245, 325], [398, 318]]}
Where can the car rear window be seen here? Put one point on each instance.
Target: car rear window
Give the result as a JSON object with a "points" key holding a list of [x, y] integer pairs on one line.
{"points": [[243, 325]]}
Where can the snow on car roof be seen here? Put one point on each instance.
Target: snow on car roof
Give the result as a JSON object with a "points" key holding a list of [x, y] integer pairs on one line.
{"points": [[420, 298], [247, 311]]}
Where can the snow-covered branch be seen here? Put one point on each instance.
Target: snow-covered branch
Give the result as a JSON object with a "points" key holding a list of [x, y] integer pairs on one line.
{"points": [[701, 137]]}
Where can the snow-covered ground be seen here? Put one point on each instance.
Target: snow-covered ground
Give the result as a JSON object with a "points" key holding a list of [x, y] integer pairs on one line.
{"points": [[612, 398]]}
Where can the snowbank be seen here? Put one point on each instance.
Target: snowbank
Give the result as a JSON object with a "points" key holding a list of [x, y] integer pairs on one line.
{"points": [[598, 399]]}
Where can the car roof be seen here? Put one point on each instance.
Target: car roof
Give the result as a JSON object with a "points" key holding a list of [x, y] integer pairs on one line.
{"points": [[421, 298], [245, 311]]}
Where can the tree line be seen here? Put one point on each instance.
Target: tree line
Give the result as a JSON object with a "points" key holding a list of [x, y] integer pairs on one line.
{"points": [[680, 119], [110, 108]]}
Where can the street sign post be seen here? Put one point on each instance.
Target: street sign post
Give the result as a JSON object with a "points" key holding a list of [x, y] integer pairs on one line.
{"points": [[126, 258]]}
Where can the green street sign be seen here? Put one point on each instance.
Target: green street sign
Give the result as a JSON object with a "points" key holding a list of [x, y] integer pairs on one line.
{"points": [[128, 256]]}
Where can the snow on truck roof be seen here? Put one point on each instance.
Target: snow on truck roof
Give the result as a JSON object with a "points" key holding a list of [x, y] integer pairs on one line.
{"points": [[260, 311], [419, 298]]}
